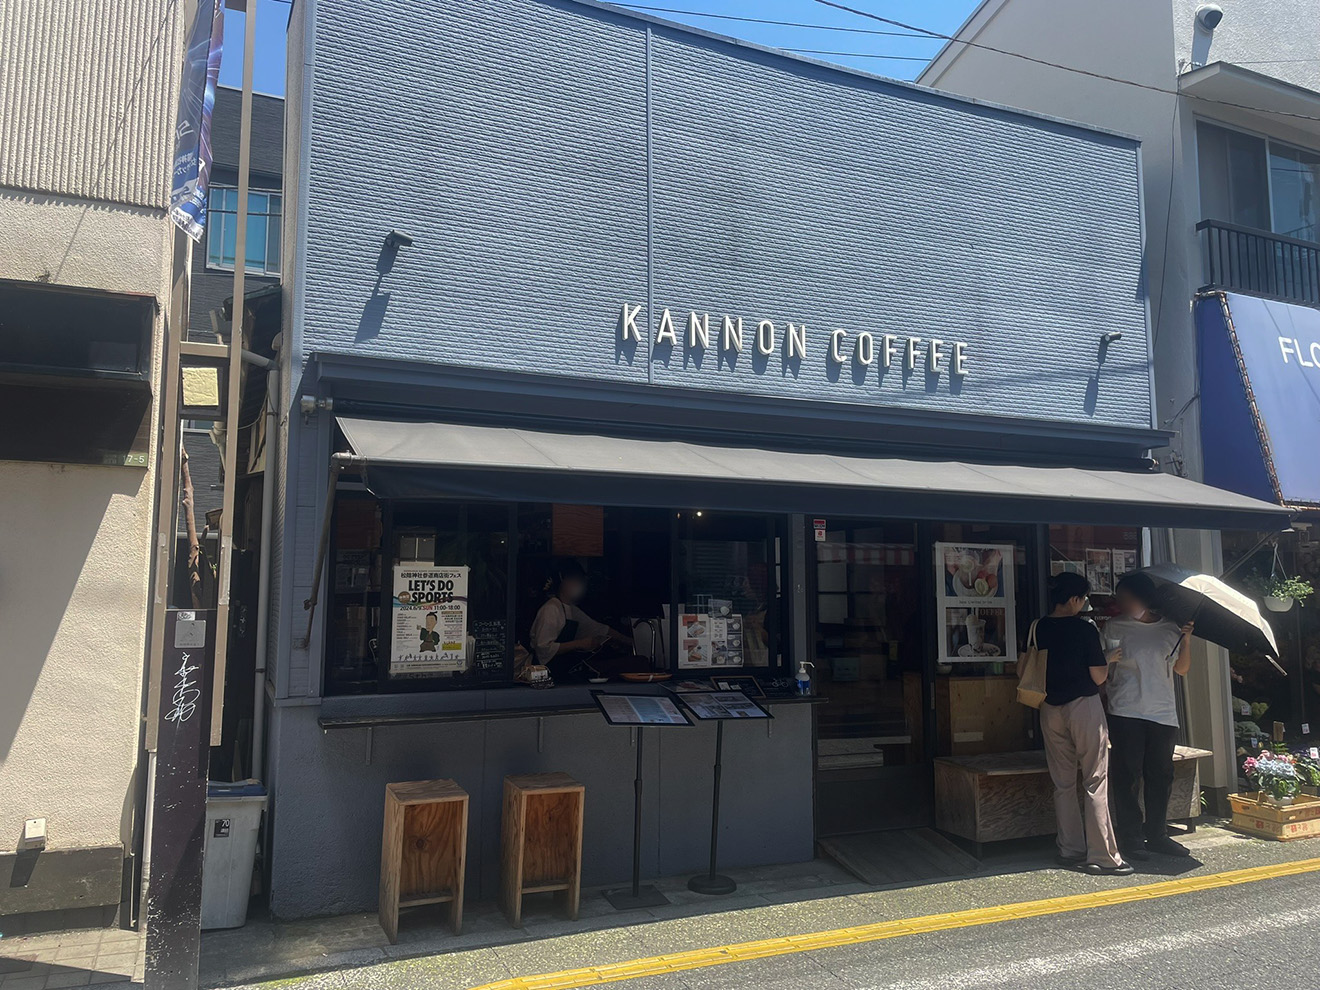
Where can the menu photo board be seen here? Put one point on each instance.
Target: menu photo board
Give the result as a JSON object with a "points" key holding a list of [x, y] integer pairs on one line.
{"points": [[429, 620], [977, 607], [639, 709], [715, 705], [709, 640]]}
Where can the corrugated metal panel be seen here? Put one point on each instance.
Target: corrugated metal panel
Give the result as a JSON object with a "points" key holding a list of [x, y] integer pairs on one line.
{"points": [[87, 97], [554, 161]]}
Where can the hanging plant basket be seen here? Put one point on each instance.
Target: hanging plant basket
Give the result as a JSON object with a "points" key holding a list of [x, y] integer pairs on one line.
{"points": [[1278, 604]]}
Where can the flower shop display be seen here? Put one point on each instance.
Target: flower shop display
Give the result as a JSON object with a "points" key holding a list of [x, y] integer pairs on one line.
{"points": [[1276, 809]]}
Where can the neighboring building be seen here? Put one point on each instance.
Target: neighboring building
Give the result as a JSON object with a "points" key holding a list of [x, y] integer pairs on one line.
{"points": [[210, 300], [85, 261], [1226, 101], [812, 356], [213, 257]]}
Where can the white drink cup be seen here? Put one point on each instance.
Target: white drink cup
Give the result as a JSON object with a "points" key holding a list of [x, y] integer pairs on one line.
{"points": [[975, 631]]}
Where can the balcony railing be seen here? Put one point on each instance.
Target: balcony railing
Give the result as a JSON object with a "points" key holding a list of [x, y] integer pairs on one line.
{"points": [[1244, 259]]}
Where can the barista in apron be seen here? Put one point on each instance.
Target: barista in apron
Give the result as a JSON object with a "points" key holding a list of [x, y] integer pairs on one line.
{"points": [[563, 635]]}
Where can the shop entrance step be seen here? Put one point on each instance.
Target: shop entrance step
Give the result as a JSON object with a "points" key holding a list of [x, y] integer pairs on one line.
{"points": [[909, 855]]}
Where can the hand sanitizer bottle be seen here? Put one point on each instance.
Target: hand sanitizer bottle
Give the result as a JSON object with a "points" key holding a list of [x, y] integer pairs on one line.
{"points": [[804, 678]]}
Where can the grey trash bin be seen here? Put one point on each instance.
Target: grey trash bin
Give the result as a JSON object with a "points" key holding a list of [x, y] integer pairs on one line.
{"points": [[233, 818]]}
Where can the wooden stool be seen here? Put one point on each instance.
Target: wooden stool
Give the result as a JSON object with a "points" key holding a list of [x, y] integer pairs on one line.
{"points": [[423, 850], [542, 841]]}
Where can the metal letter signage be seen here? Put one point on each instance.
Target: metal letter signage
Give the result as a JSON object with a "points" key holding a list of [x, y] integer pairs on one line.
{"points": [[937, 357]]}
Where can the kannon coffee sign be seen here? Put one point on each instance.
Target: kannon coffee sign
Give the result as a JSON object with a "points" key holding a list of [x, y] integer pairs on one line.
{"points": [[729, 335]]}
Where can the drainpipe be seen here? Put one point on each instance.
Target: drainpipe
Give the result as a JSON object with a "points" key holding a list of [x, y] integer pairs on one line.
{"points": [[257, 769]]}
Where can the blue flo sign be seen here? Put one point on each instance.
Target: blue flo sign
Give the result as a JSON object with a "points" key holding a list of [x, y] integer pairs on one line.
{"points": [[192, 133]]}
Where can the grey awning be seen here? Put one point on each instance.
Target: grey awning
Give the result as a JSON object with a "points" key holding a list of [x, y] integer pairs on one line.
{"points": [[429, 460]]}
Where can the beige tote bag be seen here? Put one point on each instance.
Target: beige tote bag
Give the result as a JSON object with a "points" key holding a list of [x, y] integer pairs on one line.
{"points": [[1031, 673]]}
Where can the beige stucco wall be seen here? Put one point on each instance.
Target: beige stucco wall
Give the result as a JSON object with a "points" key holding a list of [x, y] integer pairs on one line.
{"points": [[74, 560], [88, 97]]}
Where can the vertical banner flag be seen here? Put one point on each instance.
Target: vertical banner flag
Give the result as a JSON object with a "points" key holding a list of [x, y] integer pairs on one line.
{"points": [[192, 134]]}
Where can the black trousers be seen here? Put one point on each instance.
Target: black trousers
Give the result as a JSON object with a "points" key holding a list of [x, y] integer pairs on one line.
{"points": [[1140, 765]]}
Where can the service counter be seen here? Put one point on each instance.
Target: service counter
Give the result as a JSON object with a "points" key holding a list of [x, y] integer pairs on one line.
{"points": [[341, 753]]}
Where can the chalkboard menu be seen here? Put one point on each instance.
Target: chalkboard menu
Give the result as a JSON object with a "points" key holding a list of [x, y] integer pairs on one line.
{"points": [[491, 648]]}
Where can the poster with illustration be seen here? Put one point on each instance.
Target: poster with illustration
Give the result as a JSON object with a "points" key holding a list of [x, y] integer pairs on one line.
{"points": [[977, 607], [430, 613]]}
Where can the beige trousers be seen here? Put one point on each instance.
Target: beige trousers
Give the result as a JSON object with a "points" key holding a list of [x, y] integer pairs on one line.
{"points": [[1077, 739]]}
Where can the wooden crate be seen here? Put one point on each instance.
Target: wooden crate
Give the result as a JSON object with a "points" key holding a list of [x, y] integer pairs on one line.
{"points": [[423, 850], [541, 843], [994, 796], [1299, 820]]}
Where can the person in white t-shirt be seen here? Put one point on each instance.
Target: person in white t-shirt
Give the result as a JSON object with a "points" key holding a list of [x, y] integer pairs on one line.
{"points": [[1143, 716]]}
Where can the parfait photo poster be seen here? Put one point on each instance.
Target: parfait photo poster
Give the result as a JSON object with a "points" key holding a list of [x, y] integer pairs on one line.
{"points": [[977, 609], [430, 620]]}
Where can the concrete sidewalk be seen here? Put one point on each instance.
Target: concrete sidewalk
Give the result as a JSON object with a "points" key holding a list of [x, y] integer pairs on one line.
{"points": [[351, 951]]}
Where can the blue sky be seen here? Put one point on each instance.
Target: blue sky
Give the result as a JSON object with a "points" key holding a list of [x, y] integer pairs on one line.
{"points": [[863, 49]]}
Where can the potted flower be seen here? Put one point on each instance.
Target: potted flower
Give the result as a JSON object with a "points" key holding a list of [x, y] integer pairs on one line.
{"points": [[1280, 592], [1274, 775], [1275, 810], [1308, 772]]}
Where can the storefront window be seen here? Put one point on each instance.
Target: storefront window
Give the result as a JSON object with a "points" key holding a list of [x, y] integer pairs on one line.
{"points": [[440, 594], [435, 544], [868, 645], [728, 589], [1102, 554], [355, 586]]}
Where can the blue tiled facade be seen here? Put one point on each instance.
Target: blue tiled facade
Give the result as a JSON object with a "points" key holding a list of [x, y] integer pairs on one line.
{"points": [[554, 161]]}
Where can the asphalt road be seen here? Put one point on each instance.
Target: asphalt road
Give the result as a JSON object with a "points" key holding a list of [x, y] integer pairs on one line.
{"points": [[1261, 936]]}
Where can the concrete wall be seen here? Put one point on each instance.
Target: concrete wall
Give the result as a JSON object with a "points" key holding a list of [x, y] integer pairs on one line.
{"points": [[87, 106], [74, 563], [1276, 38], [331, 799]]}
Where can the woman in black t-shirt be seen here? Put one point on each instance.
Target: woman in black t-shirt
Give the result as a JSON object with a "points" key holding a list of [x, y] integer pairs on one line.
{"points": [[1072, 722]]}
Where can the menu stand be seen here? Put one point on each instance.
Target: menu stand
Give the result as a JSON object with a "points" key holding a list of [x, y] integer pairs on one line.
{"points": [[622, 709], [718, 707], [712, 882]]}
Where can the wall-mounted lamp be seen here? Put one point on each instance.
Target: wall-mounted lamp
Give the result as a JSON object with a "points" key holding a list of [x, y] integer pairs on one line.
{"points": [[396, 239], [1208, 16], [1113, 337]]}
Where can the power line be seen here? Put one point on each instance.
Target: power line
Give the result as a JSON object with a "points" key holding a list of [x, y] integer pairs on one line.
{"points": [[1056, 65], [818, 51], [762, 20]]}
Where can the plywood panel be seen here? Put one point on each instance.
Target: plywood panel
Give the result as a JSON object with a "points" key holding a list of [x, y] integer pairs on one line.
{"points": [[423, 850], [542, 840]]}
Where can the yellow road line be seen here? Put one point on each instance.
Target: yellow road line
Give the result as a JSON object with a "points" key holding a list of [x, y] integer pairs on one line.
{"points": [[859, 934]]}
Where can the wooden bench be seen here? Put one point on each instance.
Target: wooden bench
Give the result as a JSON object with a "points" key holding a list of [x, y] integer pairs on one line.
{"points": [[423, 850], [995, 796]]}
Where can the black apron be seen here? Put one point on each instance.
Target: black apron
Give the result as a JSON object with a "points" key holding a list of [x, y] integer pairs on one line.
{"points": [[562, 664]]}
